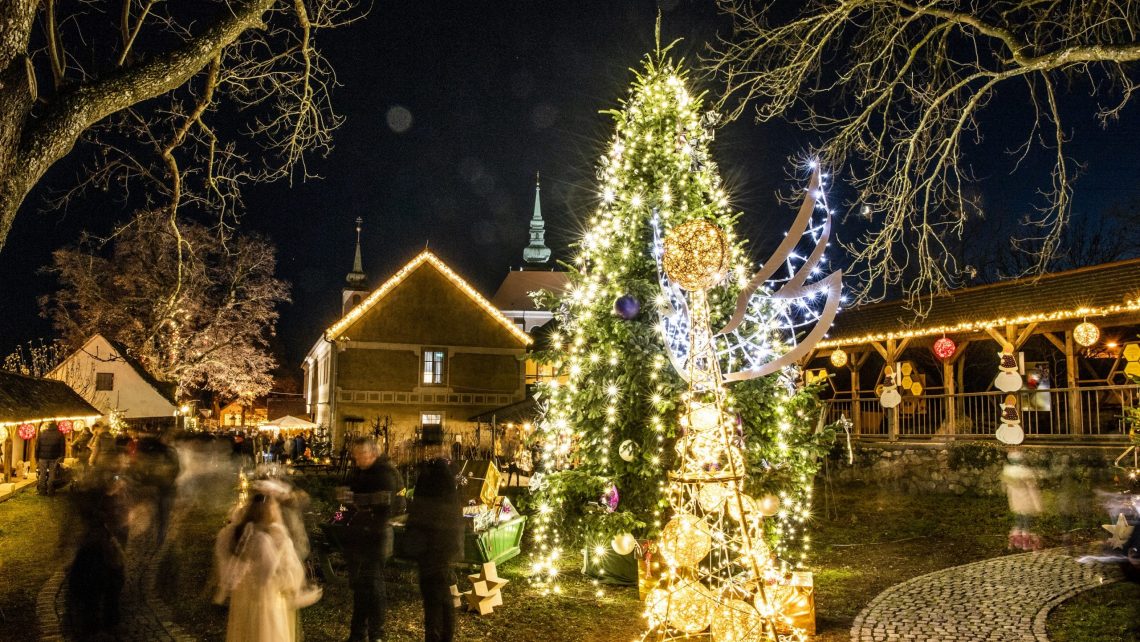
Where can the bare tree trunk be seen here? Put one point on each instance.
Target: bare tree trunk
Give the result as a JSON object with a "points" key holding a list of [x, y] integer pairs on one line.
{"points": [[31, 143]]}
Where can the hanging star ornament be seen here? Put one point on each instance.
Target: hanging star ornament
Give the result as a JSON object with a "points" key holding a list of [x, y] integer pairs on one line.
{"points": [[1120, 532]]}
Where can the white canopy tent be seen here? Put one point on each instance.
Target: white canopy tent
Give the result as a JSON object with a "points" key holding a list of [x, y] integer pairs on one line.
{"points": [[289, 422]]}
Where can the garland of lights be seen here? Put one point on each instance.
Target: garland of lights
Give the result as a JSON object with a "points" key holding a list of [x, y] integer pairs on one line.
{"points": [[614, 388]]}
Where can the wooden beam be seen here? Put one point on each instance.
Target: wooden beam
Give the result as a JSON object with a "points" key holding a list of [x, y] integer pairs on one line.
{"points": [[882, 351], [1057, 343], [1024, 335], [997, 337], [1076, 424], [899, 349], [960, 352]]}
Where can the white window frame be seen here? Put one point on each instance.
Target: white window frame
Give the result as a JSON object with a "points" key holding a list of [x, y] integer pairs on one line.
{"points": [[437, 375]]}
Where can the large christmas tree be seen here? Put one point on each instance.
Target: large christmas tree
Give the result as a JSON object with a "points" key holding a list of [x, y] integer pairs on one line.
{"points": [[609, 426]]}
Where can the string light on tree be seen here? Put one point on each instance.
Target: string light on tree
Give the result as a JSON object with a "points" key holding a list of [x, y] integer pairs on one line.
{"points": [[612, 416]]}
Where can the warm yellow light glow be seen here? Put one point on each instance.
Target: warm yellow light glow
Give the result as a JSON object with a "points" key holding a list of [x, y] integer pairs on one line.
{"points": [[685, 540], [697, 255], [87, 418], [980, 326], [735, 621], [424, 257], [838, 358], [1086, 334]]}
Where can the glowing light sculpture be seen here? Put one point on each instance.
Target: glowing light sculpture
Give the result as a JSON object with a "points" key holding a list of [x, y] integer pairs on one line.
{"points": [[719, 566]]}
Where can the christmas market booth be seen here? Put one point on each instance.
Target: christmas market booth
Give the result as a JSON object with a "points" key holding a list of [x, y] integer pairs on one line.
{"points": [[1049, 359], [493, 528], [27, 406]]}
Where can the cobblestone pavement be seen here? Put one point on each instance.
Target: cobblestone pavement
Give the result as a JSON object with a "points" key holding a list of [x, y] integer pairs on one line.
{"points": [[145, 617], [1005, 599]]}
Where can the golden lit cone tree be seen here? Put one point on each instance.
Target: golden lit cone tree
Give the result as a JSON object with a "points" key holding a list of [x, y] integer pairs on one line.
{"points": [[613, 417]]}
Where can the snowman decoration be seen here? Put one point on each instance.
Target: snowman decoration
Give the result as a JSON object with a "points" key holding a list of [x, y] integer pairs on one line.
{"points": [[1010, 432], [890, 396], [1008, 379]]}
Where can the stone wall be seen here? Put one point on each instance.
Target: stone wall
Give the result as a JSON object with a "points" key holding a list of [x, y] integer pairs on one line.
{"points": [[973, 467]]}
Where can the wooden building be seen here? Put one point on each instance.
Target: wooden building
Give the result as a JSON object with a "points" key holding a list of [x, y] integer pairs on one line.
{"points": [[1075, 388], [106, 376], [27, 405], [424, 350]]}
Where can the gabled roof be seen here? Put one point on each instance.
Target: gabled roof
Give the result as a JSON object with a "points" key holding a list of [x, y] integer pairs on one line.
{"points": [[1089, 292], [166, 390], [424, 257], [28, 399], [514, 292]]}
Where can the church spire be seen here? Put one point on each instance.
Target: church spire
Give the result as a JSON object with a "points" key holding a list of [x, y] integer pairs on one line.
{"points": [[356, 277], [537, 252]]}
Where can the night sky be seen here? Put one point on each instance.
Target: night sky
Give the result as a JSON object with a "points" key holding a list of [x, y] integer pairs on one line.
{"points": [[495, 91]]}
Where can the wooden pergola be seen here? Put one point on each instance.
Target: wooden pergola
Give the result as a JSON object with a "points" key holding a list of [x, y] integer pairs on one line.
{"points": [[1035, 317]]}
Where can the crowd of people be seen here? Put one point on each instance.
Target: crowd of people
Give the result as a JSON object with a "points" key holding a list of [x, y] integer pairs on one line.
{"points": [[260, 554]]}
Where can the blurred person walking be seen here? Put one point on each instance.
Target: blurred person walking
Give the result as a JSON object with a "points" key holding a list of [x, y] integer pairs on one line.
{"points": [[97, 574], [260, 573], [373, 493], [50, 448], [435, 534], [1020, 482], [156, 468]]}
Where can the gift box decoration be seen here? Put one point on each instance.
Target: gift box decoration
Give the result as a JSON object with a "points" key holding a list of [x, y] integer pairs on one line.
{"points": [[793, 598]]}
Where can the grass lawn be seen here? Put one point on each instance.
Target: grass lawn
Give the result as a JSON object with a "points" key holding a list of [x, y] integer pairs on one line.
{"points": [[1111, 612], [866, 539], [30, 549]]}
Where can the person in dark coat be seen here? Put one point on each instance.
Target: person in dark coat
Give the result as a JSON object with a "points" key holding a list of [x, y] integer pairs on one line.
{"points": [[50, 448], [373, 493], [435, 528], [97, 574], [156, 469]]}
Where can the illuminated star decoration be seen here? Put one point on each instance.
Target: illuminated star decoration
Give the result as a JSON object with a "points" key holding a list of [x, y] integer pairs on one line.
{"points": [[762, 338], [1120, 532]]}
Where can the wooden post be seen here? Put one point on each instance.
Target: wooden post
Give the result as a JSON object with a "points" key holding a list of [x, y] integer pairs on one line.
{"points": [[893, 416], [951, 400], [1076, 423], [856, 414]]}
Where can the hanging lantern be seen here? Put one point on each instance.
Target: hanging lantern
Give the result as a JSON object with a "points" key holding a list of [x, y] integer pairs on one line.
{"points": [[65, 426], [838, 358], [1086, 334], [945, 348], [26, 431]]}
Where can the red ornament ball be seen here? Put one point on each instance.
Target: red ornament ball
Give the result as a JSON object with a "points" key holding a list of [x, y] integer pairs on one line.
{"points": [[26, 431], [945, 348], [66, 426]]}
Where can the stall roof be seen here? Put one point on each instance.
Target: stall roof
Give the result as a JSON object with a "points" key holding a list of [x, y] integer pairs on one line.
{"points": [[28, 399], [520, 411], [1089, 292], [514, 291]]}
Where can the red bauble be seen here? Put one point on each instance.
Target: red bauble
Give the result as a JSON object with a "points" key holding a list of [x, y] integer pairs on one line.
{"points": [[65, 426], [26, 431], [945, 348]]}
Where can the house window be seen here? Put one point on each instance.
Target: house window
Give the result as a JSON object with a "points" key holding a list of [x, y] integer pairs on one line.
{"points": [[104, 381], [432, 427], [433, 366]]}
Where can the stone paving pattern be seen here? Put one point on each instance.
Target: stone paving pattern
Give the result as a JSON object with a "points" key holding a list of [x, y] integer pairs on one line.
{"points": [[146, 618], [1005, 599]]}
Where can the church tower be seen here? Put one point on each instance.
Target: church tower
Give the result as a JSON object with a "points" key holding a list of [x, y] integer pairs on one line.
{"points": [[536, 254], [355, 283]]}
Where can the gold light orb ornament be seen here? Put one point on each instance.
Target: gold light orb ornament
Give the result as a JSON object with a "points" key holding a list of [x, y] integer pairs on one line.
{"points": [[685, 540], [838, 358], [711, 497], [690, 607], [697, 255], [735, 621], [768, 505], [1086, 334]]}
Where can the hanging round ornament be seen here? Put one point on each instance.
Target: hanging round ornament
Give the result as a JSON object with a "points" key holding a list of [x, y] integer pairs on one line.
{"points": [[627, 450], [838, 358], [3, 434], [735, 621], [623, 544], [768, 505], [685, 540], [26, 431], [627, 307], [65, 426], [696, 256], [945, 348], [1086, 334], [610, 498]]}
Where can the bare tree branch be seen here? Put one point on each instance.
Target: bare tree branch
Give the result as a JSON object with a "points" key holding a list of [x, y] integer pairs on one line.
{"points": [[897, 90]]}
